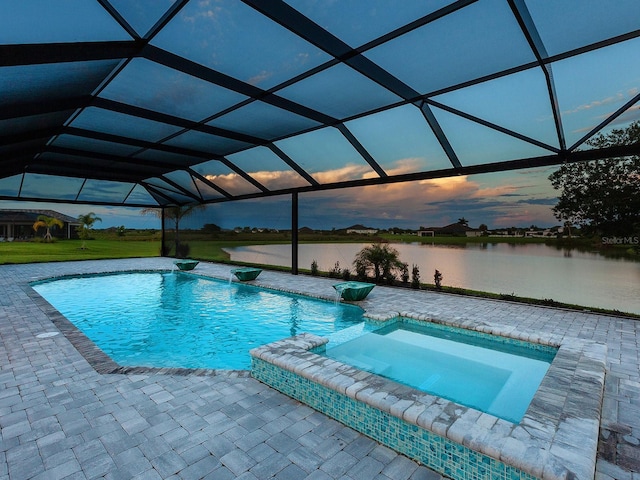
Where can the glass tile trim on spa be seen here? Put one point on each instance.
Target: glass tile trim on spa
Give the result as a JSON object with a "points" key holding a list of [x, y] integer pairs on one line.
{"points": [[556, 439], [147, 103], [182, 320]]}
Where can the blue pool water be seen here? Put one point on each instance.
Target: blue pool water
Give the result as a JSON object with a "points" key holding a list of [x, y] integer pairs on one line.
{"points": [[496, 376], [182, 320]]}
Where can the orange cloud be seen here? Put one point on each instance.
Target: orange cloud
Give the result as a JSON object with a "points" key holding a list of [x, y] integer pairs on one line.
{"points": [[348, 172], [388, 200]]}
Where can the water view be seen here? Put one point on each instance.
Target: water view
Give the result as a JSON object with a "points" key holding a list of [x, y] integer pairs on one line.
{"points": [[531, 270]]}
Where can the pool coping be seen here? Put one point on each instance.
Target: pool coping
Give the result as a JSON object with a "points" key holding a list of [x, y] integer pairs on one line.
{"points": [[560, 443], [556, 439]]}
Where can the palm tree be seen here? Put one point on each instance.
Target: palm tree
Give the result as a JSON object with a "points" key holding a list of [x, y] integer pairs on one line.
{"points": [[463, 221], [48, 223], [86, 223], [175, 214], [381, 258]]}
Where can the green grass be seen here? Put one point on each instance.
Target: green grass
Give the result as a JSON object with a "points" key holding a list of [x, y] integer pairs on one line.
{"points": [[66, 250]]}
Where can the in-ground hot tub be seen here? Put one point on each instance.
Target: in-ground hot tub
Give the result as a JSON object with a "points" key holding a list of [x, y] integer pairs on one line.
{"points": [[555, 439], [492, 374]]}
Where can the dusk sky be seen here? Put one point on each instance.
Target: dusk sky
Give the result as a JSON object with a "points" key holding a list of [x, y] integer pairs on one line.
{"points": [[520, 198], [227, 36]]}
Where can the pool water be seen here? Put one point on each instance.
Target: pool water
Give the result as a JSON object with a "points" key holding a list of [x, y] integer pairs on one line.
{"points": [[183, 320], [483, 373]]}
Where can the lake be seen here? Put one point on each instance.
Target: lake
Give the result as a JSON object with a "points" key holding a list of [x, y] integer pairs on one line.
{"points": [[530, 270]]}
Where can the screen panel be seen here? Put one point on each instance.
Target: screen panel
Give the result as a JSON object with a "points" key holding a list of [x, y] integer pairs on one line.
{"points": [[230, 37], [268, 169], [327, 156], [478, 40], [155, 87]]}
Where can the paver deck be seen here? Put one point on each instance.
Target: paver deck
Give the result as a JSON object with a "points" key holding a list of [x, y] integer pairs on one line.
{"points": [[61, 418]]}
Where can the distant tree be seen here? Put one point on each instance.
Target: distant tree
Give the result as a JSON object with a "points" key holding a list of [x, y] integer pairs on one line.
{"points": [[483, 227], [48, 223], [175, 214], [121, 230], [380, 258], [463, 221], [86, 224], [602, 195], [211, 228]]}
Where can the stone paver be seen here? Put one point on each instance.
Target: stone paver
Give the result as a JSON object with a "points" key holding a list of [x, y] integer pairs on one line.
{"points": [[67, 414]]}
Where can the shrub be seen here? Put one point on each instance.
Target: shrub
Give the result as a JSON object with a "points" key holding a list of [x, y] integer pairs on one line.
{"points": [[335, 272], [437, 279], [415, 277], [404, 273], [314, 268], [346, 274]]}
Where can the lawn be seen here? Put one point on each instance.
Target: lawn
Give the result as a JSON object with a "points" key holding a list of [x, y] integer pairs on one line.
{"points": [[64, 250]]}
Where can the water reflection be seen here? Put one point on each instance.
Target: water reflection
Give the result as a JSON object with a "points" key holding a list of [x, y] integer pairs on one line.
{"points": [[575, 276]]}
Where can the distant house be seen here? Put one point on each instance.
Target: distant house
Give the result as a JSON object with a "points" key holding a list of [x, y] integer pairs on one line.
{"points": [[455, 229], [362, 230], [547, 232], [18, 224]]}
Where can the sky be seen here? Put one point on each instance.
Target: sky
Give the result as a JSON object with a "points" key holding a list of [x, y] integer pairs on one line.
{"points": [[522, 198], [226, 35]]}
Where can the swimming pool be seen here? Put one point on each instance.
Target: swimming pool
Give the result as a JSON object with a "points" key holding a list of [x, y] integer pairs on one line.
{"points": [[477, 371], [181, 320]]}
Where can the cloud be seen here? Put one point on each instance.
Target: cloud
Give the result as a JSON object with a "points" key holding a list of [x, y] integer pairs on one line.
{"points": [[539, 201], [348, 172], [278, 180], [540, 215], [210, 14], [517, 198], [620, 97], [630, 115], [259, 78], [498, 191]]}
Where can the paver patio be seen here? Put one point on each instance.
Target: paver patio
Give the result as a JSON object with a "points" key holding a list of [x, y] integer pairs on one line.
{"points": [[60, 418]]}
